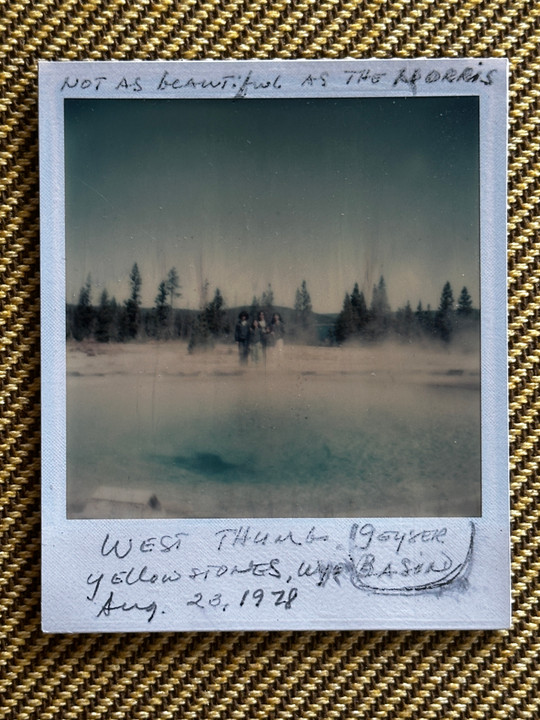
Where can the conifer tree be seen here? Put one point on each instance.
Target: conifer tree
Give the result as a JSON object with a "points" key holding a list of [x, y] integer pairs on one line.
{"points": [[444, 315], [359, 308], [464, 306], [404, 322], [161, 309], [380, 307], [200, 337], [132, 305], [379, 311], [215, 314], [172, 286], [267, 302], [209, 324], [302, 306], [447, 298], [105, 318], [421, 318], [83, 316], [345, 322]]}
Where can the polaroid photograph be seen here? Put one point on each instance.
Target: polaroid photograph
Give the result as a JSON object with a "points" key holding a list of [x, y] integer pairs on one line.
{"points": [[274, 345]]}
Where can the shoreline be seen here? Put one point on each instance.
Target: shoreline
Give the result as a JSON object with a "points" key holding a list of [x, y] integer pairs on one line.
{"points": [[315, 432]]}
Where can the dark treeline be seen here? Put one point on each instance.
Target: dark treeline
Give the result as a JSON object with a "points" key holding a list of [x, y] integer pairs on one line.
{"points": [[111, 321], [359, 321]]}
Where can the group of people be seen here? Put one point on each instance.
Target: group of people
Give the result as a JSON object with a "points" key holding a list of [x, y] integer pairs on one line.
{"points": [[254, 337]]}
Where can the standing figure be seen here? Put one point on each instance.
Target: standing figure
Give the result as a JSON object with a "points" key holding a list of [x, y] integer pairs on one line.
{"points": [[242, 335], [255, 341], [277, 329], [264, 332]]}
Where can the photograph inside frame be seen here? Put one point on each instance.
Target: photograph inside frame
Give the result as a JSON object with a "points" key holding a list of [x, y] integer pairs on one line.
{"points": [[273, 307]]}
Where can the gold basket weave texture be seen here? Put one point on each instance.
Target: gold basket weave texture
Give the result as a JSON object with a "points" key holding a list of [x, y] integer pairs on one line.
{"points": [[258, 675]]}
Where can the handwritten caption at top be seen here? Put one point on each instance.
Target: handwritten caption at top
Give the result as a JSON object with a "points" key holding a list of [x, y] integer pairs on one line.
{"points": [[250, 568], [241, 85]]}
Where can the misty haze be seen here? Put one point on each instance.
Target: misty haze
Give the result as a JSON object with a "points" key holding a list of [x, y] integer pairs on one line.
{"points": [[273, 307], [389, 430]]}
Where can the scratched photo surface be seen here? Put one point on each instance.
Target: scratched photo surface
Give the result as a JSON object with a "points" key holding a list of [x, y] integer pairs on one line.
{"points": [[273, 308]]}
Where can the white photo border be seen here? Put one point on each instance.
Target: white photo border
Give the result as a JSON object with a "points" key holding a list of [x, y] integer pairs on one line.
{"points": [[86, 562]]}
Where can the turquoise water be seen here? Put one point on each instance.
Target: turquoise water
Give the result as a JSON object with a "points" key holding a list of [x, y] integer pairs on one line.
{"points": [[279, 444]]}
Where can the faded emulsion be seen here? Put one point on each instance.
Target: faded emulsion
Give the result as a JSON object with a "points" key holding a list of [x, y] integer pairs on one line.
{"points": [[365, 398], [273, 292]]}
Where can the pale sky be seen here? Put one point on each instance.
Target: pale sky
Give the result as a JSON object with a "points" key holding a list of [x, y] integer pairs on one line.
{"points": [[250, 192]]}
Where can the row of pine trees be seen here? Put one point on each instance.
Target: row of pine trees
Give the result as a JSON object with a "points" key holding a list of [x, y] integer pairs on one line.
{"points": [[110, 321], [357, 320]]}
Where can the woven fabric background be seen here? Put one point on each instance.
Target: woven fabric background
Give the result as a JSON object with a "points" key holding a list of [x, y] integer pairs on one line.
{"points": [[258, 675]]}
